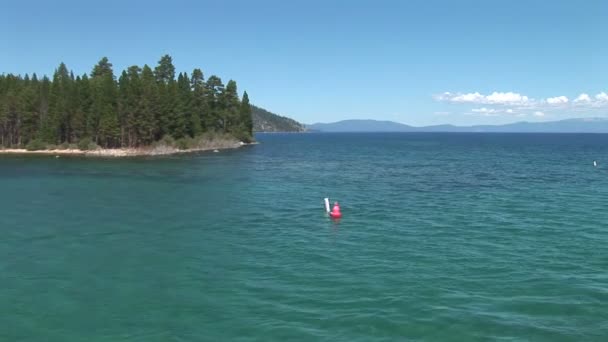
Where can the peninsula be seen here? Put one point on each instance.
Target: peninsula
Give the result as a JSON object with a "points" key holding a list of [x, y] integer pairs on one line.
{"points": [[144, 112]]}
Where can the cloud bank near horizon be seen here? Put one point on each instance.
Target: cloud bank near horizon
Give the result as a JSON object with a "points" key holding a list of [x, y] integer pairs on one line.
{"points": [[516, 104]]}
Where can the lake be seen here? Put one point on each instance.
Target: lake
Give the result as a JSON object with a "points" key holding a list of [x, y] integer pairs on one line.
{"points": [[445, 237]]}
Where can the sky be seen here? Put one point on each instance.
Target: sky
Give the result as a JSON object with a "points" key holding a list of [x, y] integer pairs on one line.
{"points": [[415, 62]]}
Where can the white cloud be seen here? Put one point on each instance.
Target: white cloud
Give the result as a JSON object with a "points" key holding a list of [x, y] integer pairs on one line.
{"points": [[496, 98], [602, 97], [443, 97], [484, 110], [557, 100], [506, 98], [474, 98], [491, 111], [463, 98], [582, 98], [586, 101], [515, 104], [516, 99]]}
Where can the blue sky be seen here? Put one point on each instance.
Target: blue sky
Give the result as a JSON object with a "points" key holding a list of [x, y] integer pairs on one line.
{"points": [[416, 62]]}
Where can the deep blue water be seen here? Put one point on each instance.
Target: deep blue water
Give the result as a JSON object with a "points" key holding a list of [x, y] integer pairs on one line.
{"points": [[445, 237]]}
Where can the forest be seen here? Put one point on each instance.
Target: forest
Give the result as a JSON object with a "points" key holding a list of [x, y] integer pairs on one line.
{"points": [[138, 108], [265, 121]]}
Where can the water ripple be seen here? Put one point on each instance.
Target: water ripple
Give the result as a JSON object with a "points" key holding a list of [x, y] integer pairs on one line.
{"points": [[444, 237]]}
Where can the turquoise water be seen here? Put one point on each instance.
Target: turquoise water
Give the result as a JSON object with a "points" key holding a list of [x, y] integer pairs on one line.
{"points": [[445, 237]]}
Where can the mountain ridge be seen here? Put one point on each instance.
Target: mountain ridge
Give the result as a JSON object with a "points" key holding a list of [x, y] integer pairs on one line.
{"points": [[266, 121], [575, 125]]}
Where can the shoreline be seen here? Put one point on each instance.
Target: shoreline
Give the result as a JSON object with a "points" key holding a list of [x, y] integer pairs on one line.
{"points": [[127, 152], [281, 132]]}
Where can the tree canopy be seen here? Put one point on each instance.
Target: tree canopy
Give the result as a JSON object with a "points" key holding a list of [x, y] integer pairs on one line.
{"points": [[137, 108]]}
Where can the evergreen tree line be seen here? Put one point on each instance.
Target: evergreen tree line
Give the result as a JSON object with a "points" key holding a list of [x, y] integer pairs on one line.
{"points": [[140, 107]]}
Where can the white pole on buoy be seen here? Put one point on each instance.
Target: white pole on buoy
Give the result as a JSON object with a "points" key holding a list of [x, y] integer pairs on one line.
{"points": [[594, 163], [327, 204]]}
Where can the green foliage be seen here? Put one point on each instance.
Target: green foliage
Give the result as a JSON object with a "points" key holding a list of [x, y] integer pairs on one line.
{"points": [[185, 143], [139, 108], [105, 92], [243, 135], [229, 103], [182, 124], [213, 90], [167, 140], [86, 144], [165, 71], [102, 68], [198, 106], [35, 145], [246, 119]]}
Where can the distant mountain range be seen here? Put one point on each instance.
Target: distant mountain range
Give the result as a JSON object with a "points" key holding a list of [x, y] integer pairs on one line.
{"points": [[586, 125], [265, 121]]}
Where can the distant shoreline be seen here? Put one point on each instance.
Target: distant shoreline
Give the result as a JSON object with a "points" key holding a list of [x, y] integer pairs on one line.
{"points": [[282, 132], [577, 125], [442, 132], [126, 152]]}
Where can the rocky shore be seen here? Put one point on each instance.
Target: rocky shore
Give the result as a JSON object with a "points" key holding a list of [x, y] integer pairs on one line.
{"points": [[132, 152]]}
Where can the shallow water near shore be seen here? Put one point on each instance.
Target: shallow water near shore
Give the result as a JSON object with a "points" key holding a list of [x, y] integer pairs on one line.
{"points": [[449, 237]]}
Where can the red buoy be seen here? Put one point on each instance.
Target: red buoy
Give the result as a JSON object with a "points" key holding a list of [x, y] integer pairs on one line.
{"points": [[335, 212]]}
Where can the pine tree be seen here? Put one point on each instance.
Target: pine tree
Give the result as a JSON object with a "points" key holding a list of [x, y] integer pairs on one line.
{"points": [[106, 124], [147, 107], [85, 102], [109, 123], [167, 88], [138, 109], [245, 118], [165, 71], [230, 107], [43, 110], [54, 126], [199, 103], [77, 120], [10, 118], [3, 112], [213, 90], [182, 124], [103, 67], [29, 99], [167, 108], [125, 112]]}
